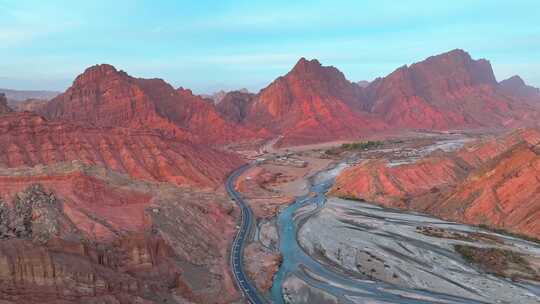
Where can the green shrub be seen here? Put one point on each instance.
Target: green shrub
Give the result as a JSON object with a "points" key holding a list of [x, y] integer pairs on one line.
{"points": [[366, 145]]}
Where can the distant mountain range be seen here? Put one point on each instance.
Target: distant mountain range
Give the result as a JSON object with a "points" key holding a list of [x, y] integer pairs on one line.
{"points": [[449, 91], [218, 96], [312, 103], [19, 95], [27, 100]]}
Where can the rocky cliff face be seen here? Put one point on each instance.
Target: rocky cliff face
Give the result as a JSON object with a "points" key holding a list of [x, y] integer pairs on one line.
{"points": [[312, 103], [446, 91], [34, 215], [30, 140], [108, 222], [104, 96], [89, 235], [105, 202], [493, 182]]}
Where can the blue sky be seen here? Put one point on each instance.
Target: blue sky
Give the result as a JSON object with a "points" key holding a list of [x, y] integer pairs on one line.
{"points": [[208, 45]]}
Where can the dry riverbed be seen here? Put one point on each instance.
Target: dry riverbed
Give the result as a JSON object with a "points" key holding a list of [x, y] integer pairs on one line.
{"points": [[267, 188], [408, 252], [390, 246]]}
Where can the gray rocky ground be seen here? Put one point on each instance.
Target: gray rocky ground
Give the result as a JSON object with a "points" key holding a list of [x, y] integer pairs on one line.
{"points": [[384, 245]]}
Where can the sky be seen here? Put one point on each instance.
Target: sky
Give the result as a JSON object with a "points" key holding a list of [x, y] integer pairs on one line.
{"points": [[212, 45]]}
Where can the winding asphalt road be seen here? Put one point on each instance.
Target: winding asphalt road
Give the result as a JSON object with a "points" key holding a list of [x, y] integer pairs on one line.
{"points": [[246, 287]]}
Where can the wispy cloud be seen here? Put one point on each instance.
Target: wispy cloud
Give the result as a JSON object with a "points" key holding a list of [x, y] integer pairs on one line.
{"points": [[23, 24], [250, 60], [240, 42]]}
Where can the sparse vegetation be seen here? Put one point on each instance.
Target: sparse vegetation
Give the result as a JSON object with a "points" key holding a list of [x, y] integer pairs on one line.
{"points": [[355, 146], [362, 145], [509, 233], [454, 235], [496, 261]]}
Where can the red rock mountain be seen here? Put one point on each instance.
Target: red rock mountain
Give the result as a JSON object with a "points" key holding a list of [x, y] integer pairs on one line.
{"points": [[314, 103], [29, 140], [515, 86], [311, 103], [89, 235], [127, 212], [446, 91], [4, 108], [494, 182], [94, 214], [105, 97]]}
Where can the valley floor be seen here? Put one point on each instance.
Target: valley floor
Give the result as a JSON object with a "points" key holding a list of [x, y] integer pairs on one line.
{"points": [[334, 250]]}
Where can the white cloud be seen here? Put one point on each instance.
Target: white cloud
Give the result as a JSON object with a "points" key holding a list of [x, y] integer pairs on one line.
{"points": [[21, 24]]}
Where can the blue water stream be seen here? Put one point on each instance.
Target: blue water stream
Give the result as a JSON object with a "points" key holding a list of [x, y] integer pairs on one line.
{"points": [[295, 260]]}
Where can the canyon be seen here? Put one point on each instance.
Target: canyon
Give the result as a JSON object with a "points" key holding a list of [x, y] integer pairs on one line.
{"points": [[113, 191]]}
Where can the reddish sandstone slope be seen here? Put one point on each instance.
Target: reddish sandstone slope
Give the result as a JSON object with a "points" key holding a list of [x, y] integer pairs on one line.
{"points": [[446, 91], [104, 96], [83, 218], [494, 182], [29, 140], [312, 103], [89, 235]]}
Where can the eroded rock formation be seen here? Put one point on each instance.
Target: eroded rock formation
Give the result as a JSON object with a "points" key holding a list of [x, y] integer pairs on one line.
{"points": [[105, 97], [313, 103], [446, 91], [89, 235], [493, 182], [28, 140]]}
